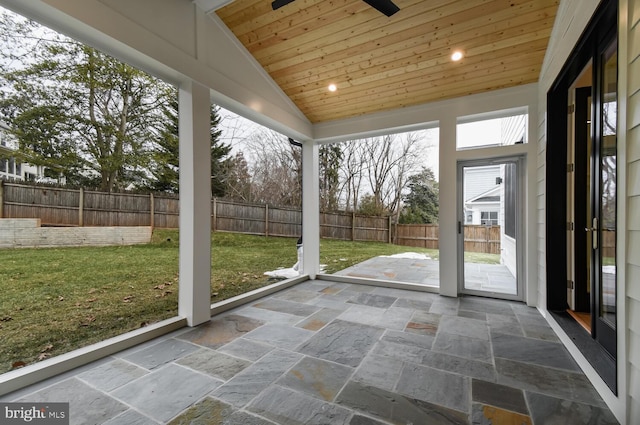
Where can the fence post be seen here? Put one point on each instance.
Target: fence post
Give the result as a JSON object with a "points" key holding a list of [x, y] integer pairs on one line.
{"points": [[266, 219], [389, 229], [81, 207], [1, 198], [214, 211], [152, 211], [487, 236], [353, 226]]}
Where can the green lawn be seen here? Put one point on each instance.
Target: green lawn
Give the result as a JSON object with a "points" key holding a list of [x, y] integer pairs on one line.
{"points": [[58, 299]]}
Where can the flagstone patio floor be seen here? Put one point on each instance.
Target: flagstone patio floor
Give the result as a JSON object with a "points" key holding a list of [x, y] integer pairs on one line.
{"points": [[333, 353]]}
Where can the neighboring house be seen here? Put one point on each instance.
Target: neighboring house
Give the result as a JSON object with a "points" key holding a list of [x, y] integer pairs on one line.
{"points": [[487, 204], [482, 200], [12, 168]]}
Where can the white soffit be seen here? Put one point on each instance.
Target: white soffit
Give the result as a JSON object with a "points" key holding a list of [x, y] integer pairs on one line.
{"points": [[210, 6]]}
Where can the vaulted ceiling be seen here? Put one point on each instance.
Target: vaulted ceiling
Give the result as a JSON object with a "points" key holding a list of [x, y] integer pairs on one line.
{"points": [[380, 63]]}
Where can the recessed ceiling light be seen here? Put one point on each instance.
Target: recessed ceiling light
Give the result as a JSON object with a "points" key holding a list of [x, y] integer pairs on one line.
{"points": [[332, 87], [456, 56]]}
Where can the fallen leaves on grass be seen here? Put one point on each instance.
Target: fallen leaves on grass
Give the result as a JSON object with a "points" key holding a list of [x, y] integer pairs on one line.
{"points": [[44, 352], [18, 365], [162, 287], [164, 294], [60, 298], [127, 299], [88, 320]]}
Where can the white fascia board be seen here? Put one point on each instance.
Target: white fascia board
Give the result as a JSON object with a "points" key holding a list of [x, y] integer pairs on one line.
{"points": [[427, 115], [119, 29]]}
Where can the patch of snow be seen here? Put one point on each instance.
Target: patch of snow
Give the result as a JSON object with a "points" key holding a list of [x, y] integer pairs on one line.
{"points": [[289, 273], [283, 273], [410, 255]]}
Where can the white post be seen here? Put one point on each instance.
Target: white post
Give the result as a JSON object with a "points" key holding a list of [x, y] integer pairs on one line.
{"points": [[448, 215], [310, 209], [194, 301]]}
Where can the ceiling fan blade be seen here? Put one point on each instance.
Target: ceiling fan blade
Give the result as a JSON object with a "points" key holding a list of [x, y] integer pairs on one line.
{"points": [[385, 6], [277, 4]]}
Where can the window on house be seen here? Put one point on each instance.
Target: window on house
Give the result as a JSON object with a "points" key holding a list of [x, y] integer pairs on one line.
{"points": [[3, 165], [489, 218], [12, 164]]}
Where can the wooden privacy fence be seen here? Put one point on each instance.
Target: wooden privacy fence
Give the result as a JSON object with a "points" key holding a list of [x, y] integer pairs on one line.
{"points": [[477, 238], [69, 207], [72, 207]]}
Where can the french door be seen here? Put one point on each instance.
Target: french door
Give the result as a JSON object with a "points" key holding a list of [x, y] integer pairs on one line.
{"points": [[592, 196], [581, 194]]}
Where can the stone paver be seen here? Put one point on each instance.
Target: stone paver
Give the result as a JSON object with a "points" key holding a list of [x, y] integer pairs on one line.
{"points": [[86, 405], [158, 396], [214, 363], [335, 353], [161, 353], [254, 379], [342, 342], [288, 407], [317, 378], [280, 336], [112, 375], [220, 331]]}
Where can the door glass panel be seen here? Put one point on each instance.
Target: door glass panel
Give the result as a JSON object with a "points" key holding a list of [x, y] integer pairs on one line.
{"points": [[489, 228], [608, 157]]}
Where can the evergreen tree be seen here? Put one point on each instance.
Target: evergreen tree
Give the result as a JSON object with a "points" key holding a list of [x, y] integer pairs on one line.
{"points": [[421, 203], [165, 170]]}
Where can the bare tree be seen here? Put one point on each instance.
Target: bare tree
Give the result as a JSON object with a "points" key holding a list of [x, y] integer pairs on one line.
{"points": [[351, 173], [376, 169], [238, 184], [276, 166]]}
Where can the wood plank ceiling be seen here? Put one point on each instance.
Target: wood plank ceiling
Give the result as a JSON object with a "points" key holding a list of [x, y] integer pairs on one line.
{"points": [[381, 63]]}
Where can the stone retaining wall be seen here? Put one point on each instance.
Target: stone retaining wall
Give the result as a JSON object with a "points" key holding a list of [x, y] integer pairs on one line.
{"points": [[27, 233]]}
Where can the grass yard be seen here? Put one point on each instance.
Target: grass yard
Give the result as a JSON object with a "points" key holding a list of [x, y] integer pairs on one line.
{"points": [[58, 299]]}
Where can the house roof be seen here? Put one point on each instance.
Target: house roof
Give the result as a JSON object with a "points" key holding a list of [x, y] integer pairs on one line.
{"points": [[381, 63], [491, 195]]}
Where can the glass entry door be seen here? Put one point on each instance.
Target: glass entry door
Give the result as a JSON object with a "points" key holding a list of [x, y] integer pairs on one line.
{"points": [[489, 228], [592, 197], [604, 207]]}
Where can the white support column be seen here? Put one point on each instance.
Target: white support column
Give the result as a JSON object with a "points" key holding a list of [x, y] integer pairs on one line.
{"points": [[310, 209], [194, 301], [448, 208]]}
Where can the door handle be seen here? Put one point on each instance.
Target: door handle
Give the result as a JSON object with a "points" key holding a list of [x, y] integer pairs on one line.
{"points": [[594, 229]]}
